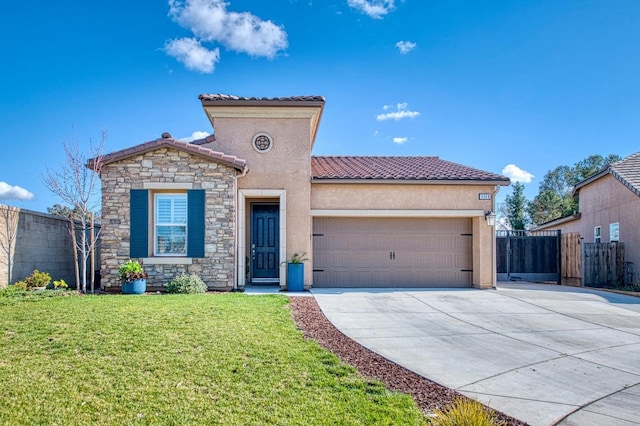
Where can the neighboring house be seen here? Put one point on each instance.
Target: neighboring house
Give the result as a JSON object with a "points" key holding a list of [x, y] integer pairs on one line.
{"points": [[609, 208], [234, 206]]}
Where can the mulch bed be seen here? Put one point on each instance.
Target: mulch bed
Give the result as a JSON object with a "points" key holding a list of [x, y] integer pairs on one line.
{"points": [[428, 395]]}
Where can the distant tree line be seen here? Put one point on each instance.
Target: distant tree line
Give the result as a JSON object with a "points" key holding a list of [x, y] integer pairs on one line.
{"points": [[554, 199]]}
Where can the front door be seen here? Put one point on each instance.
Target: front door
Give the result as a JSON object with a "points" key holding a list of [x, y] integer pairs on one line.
{"points": [[265, 244]]}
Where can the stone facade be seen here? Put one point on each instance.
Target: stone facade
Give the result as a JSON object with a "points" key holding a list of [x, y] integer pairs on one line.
{"points": [[168, 169]]}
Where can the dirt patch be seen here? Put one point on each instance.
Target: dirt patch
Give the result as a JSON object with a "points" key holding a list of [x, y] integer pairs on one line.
{"points": [[428, 395]]}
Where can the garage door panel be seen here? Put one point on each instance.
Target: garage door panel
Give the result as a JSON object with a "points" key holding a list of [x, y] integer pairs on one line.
{"points": [[411, 242], [433, 261], [392, 226], [392, 252], [382, 278], [349, 241]]}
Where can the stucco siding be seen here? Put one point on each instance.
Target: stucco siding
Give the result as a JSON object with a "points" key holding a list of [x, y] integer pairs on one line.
{"points": [[603, 202], [607, 201], [382, 196], [286, 166]]}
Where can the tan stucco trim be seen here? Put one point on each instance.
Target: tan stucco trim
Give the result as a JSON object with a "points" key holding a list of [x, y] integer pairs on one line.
{"points": [[312, 113], [166, 185], [397, 213], [167, 261], [243, 228], [261, 112]]}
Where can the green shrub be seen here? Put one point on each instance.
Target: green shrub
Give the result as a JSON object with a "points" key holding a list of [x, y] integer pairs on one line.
{"points": [[14, 290], [465, 412], [36, 279], [60, 284], [18, 285], [184, 283]]}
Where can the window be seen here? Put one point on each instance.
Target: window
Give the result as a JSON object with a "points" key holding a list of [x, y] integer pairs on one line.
{"points": [[614, 232], [262, 142], [597, 234], [170, 225]]}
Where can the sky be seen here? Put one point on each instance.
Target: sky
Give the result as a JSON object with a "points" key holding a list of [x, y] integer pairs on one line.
{"points": [[511, 87]]}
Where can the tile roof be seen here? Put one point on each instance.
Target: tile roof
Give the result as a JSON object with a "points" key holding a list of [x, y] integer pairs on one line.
{"points": [[231, 98], [627, 171], [166, 141], [397, 168]]}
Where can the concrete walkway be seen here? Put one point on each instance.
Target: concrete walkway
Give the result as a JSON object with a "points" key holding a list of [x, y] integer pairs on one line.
{"points": [[544, 354]]}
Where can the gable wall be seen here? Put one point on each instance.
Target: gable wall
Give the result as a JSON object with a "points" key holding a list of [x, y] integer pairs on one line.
{"points": [[607, 201], [169, 166]]}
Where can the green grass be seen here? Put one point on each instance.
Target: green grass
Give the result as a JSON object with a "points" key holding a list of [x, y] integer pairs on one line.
{"points": [[177, 359]]}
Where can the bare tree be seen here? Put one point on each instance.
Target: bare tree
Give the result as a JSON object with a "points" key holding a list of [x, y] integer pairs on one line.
{"points": [[9, 216], [76, 184]]}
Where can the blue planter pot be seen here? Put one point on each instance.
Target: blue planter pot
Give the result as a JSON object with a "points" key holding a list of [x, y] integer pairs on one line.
{"points": [[135, 287], [295, 276]]}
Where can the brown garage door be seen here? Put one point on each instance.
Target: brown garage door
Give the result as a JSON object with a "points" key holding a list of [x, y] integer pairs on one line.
{"points": [[392, 252]]}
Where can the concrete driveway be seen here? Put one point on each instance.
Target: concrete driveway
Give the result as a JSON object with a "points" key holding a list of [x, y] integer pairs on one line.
{"points": [[544, 354]]}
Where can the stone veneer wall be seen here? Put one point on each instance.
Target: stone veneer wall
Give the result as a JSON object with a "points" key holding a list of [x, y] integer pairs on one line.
{"points": [[170, 166]]}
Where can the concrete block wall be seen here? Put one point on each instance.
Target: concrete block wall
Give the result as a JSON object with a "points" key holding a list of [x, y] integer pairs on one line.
{"points": [[42, 242]]}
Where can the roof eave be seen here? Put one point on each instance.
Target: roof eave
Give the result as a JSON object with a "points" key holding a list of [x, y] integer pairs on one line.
{"points": [[557, 222], [589, 180], [477, 182], [144, 148]]}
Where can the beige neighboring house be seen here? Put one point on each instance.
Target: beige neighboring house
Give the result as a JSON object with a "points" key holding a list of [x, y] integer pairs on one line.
{"points": [[609, 208], [234, 206]]}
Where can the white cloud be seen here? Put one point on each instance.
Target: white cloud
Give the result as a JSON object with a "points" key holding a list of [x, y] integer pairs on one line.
{"points": [[375, 9], [400, 112], [399, 141], [516, 174], [192, 54], [210, 21], [405, 46], [9, 192], [198, 134]]}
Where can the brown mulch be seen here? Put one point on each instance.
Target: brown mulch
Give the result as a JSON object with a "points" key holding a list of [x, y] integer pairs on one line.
{"points": [[428, 395]]}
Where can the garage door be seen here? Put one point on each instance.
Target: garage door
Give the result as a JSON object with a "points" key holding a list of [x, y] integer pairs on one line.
{"points": [[392, 252]]}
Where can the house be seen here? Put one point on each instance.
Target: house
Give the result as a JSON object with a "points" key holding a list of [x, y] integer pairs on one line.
{"points": [[232, 207], [609, 208]]}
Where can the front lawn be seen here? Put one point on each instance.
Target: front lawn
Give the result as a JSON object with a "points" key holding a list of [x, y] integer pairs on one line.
{"points": [[177, 359]]}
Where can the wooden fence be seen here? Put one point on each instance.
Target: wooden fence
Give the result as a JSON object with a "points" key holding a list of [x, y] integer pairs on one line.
{"points": [[571, 258], [591, 264], [603, 265]]}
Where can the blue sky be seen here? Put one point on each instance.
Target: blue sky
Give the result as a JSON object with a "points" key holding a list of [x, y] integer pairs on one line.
{"points": [[533, 84]]}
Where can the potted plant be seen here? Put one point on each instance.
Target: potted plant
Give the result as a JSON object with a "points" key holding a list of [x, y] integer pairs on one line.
{"points": [[295, 271], [134, 278]]}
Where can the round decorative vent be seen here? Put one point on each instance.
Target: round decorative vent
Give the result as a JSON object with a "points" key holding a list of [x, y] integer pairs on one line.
{"points": [[262, 142]]}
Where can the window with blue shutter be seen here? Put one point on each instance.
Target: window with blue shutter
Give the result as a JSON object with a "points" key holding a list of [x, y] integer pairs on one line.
{"points": [[178, 223]]}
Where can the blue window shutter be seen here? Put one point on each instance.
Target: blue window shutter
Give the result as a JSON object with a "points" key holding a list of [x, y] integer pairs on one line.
{"points": [[195, 223], [139, 219]]}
